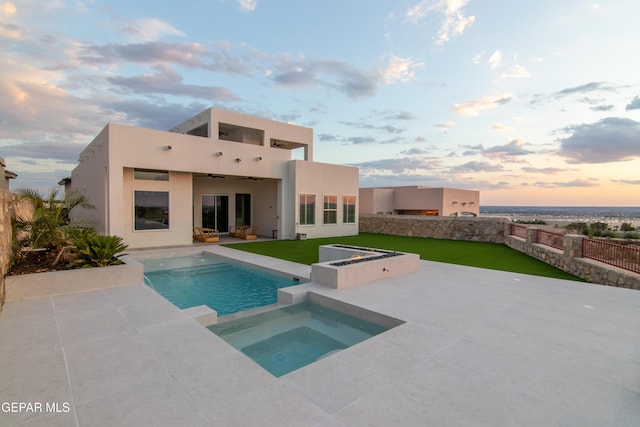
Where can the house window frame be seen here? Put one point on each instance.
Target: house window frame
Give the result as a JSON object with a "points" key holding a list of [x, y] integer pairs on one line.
{"points": [[156, 175], [307, 215], [346, 211], [135, 211], [330, 213]]}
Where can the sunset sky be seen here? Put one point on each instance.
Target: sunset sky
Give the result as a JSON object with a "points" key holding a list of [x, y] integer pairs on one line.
{"points": [[531, 103]]}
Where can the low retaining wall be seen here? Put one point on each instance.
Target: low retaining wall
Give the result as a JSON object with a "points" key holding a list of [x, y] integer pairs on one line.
{"points": [[570, 259], [436, 227], [82, 279], [340, 270]]}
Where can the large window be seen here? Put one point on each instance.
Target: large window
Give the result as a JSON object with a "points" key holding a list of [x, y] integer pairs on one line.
{"points": [[349, 209], [151, 210], [151, 174], [307, 209], [330, 209]]}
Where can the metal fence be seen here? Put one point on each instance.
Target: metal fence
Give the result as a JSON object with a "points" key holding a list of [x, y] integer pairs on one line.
{"points": [[622, 256], [549, 238], [518, 230]]}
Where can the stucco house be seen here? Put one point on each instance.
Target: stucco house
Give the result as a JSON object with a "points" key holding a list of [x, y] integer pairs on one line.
{"points": [[5, 175], [419, 200], [219, 169]]}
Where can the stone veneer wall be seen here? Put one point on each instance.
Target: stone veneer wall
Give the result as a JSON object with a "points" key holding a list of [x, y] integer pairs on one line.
{"points": [[10, 206], [436, 227], [6, 213], [497, 230], [570, 260]]}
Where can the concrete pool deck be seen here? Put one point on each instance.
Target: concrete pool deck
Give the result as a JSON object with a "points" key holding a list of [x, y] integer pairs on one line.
{"points": [[479, 348]]}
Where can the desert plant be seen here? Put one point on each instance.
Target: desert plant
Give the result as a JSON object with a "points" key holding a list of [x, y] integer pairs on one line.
{"points": [[49, 227], [94, 250]]}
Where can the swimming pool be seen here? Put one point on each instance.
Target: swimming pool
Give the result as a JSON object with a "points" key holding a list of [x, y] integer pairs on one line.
{"points": [[289, 338], [217, 282]]}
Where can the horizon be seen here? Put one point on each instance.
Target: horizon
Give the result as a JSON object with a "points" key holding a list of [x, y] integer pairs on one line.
{"points": [[527, 103]]}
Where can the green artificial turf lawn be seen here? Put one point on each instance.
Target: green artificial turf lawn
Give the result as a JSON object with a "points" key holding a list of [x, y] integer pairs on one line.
{"points": [[494, 256]]}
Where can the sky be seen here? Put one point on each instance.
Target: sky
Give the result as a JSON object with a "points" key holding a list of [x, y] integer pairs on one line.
{"points": [[530, 103]]}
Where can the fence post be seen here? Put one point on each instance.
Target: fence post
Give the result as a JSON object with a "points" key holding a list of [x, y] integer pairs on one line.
{"points": [[532, 235], [572, 244]]}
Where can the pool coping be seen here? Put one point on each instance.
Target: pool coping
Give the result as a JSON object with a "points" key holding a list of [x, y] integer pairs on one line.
{"points": [[478, 346]]}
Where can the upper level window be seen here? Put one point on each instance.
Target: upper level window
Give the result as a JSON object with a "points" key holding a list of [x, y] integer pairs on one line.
{"points": [[330, 209], [151, 174], [307, 209], [349, 209]]}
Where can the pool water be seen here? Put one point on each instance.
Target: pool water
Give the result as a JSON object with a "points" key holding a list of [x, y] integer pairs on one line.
{"points": [[289, 338], [218, 283]]}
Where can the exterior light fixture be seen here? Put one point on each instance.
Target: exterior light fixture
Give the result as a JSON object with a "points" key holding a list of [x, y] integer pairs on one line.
{"points": [[167, 147], [218, 154], [454, 203], [238, 160], [258, 158]]}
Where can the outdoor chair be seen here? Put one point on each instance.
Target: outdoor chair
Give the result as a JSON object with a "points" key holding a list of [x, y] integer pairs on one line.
{"points": [[206, 235], [249, 233], [237, 231]]}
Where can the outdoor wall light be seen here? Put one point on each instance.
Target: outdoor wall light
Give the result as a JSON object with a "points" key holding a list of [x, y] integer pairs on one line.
{"points": [[218, 154], [167, 147], [258, 158], [454, 203], [238, 160]]}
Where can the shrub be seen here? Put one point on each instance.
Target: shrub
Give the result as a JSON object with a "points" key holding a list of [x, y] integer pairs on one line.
{"points": [[95, 250]]}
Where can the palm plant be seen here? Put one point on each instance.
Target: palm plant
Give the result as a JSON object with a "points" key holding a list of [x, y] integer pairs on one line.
{"points": [[94, 250], [50, 227]]}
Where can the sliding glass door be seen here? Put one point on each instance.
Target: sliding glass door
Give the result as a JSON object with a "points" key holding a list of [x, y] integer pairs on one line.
{"points": [[215, 212], [243, 209]]}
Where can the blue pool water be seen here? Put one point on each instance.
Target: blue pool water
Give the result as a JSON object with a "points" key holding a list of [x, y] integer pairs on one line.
{"points": [[289, 338], [206, 279]]}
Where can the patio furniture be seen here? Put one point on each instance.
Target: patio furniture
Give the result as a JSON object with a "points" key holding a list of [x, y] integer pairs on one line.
{"points": [[237, 231], [249, 233], [206, 235]]}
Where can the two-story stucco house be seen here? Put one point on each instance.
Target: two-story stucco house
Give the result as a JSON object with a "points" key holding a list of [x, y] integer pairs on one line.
{"points": [[219, 169]]}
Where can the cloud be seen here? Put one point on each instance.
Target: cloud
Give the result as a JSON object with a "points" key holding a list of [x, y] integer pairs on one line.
{"points": [[471, 167], [445, 125], [500, 128], [626, 181], [58, 151], [400, 69], [399, 115], [148, 29], [589, 87], [414, 152], [248, 5], [473, 107], [547, 171], [333, 74], [384, 128], [151, 114], [517, 71], [495, 59], [570, 184], [634, 104], [404, 165], [513, 148], [602, 108], [454, 22], [612, 139], [166, 81], [357, 140]]}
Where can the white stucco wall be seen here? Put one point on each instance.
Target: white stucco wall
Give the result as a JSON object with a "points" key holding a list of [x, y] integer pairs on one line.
{"points": [[89, 178], [179, 187], [325, 179]]}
